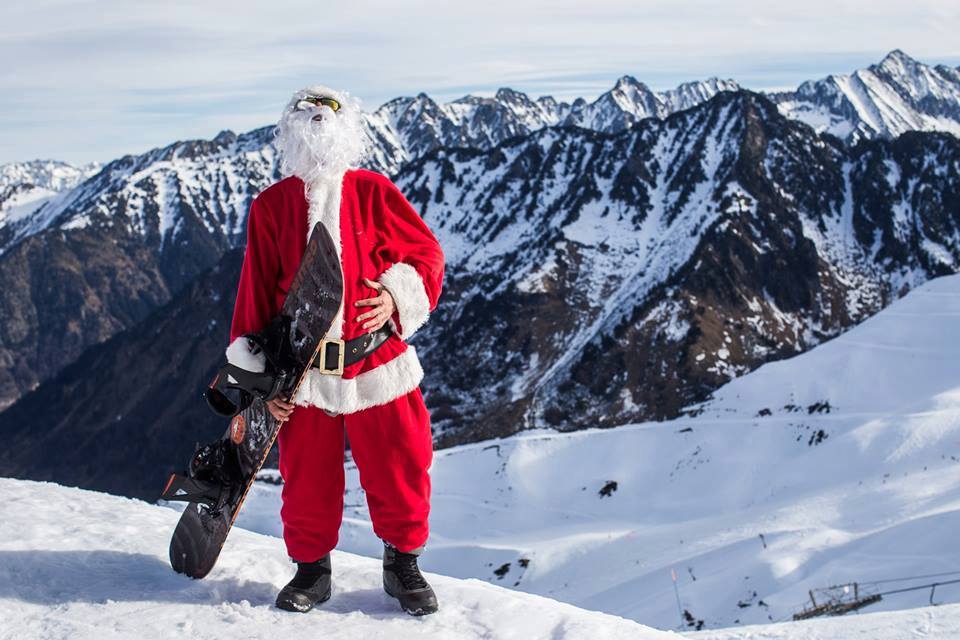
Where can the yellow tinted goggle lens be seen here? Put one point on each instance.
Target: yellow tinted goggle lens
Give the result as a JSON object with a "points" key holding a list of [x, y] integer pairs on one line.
{"points": [[321, 100]]}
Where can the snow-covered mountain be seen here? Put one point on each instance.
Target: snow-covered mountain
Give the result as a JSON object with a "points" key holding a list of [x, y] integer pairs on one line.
{"points": [[52, 175], [209, 184], [602, 279], [97, 259], [613, 277], [164, 194], [409, 127], [838, 465], [630, 101], [25, 186], [897, 95], [78, 564]]}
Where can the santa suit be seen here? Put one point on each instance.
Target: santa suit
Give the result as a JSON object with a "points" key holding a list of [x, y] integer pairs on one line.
{"points": [[377, 400]]}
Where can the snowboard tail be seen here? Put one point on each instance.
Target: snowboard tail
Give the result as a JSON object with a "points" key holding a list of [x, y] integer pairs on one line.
{"points": [[197, 541], [221, 473]]}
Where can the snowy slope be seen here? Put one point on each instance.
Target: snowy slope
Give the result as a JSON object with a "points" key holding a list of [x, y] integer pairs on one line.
{"points": [[78, 564], [845, 459]]}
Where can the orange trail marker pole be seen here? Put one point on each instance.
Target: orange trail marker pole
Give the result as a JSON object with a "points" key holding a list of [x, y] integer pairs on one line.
{"points": [[676, 592]]}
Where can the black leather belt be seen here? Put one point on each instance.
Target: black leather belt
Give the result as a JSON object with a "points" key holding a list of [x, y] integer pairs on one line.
{"points": [[336, 354]]}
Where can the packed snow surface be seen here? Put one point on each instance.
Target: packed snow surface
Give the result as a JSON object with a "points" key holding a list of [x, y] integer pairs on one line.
{"points": [[80, 564]]}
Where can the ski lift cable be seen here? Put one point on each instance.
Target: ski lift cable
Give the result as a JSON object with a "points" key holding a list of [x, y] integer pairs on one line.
{"points": [[929, 575], [921, 586]]}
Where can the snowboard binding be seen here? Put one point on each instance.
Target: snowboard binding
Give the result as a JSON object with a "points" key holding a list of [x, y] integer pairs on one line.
{"points": [[212, 476], [215, 473], [233, 389]]}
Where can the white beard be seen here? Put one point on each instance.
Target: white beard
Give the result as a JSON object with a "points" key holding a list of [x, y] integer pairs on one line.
{"points": [[321, 151]]}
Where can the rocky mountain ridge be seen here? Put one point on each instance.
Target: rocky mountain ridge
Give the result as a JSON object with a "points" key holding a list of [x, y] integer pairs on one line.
{"points": [[897, 95], [98, 258], [601, 278]]}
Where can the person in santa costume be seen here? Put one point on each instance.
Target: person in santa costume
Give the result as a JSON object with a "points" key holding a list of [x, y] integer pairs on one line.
{"points": [[392, 273]]}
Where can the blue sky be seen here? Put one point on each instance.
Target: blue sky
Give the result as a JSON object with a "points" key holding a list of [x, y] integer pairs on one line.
{"points": [[88, 80]]}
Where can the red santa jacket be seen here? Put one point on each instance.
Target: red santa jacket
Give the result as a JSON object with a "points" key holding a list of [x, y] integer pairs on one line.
{"points": [[383, 238]]}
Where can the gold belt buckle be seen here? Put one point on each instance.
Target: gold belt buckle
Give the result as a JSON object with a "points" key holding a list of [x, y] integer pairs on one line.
{"points": [[338, 371]]}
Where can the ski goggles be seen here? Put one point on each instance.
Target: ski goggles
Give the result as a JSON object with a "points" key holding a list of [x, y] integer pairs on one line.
{"points": [[317, 101]]}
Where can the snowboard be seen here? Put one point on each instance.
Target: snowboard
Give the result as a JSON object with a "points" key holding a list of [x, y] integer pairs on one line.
{"points": [[309, 308]]}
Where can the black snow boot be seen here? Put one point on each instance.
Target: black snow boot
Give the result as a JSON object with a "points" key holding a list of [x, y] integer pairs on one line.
{"points": [[402, 580], [310, 586]]}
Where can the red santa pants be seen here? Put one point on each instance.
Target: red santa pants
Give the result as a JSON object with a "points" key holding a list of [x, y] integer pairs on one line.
{"points": [[392, 447]]}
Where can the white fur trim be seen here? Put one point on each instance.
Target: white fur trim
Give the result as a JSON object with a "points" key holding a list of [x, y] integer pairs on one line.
{"points": [[379, 385], [410, 296], [238, 354], [324, 195]]}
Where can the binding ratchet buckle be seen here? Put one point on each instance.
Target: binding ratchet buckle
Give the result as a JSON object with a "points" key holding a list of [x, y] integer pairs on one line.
{"points": [[321, 360]]}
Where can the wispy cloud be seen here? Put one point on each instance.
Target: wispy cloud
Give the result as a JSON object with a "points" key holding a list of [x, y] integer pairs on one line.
{"points": [[89, 80]]}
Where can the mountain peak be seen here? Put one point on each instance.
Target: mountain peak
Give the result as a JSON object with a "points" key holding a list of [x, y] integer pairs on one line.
{"points": [[626, 82], [506, 93], [897, 60], [225, 137], [632, 94]]}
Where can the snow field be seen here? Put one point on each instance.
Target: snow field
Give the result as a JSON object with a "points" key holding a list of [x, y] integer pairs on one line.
{"points": [[79, 564]]}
